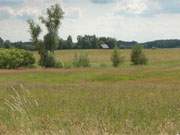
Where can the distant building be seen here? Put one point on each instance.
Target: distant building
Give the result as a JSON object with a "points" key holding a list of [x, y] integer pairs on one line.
{"points": [[104, 46]]}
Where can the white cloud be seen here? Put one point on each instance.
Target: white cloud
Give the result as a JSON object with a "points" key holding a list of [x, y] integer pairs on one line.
{"points": [[73, 13], [28, 8], [102, 1], [137, 7]]}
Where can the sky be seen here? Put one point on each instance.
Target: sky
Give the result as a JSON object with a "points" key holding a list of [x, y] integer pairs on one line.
{"points": [[128, 20]]}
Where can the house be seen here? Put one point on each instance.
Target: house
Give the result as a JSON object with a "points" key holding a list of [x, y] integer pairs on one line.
{"points": [[104, 46]]}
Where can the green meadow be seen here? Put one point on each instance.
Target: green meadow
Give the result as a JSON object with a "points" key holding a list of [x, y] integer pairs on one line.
{"points": [[98, 100]]}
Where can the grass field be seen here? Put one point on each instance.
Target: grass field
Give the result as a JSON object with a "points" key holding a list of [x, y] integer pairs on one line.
{"points": [[100, 100]]}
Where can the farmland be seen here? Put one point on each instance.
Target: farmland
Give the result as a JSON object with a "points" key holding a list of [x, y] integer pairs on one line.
{"points": [[96, 100]]}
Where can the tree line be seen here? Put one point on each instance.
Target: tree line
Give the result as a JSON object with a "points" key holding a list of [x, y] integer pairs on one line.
{"points": [[93, 42], [19, 45], [83, 42]]}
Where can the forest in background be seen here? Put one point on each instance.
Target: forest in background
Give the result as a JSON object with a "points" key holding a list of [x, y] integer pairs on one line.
{"points": [[94, 42]]}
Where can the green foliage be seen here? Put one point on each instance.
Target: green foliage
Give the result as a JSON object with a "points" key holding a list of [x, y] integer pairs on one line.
{"points": [[75, 60], [87, 42], [52, 22], [67, 65], [48, 60], [115, 58], [7, 44], [137, 56], [28, 58], [93, 42], [35, 31], [47, 47], [59, 64], [103, 65], [69, 43], [51, 40], [14, 58], [1, 42], [66, 44], [81, 61]]}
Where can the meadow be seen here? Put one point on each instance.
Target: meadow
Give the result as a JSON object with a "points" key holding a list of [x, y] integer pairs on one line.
{"points": [[99, 100]]}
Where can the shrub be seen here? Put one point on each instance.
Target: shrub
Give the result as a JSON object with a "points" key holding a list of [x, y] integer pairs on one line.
{"points": [[67, 65], [75, 62], [28, 58], [48, 61], [81, 61], [59, 64], [102, 65], [14, 58], [115, 58], [137, 56]]}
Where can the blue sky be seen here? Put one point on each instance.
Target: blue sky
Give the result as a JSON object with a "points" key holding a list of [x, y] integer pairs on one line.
{"points": [[140, 20]]}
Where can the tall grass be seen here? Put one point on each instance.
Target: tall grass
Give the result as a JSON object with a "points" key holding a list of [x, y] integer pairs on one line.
{"points": [[91, 112], [21, 104]]}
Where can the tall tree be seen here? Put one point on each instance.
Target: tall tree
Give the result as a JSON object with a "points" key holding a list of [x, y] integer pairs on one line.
{"points": [[51, 40], [35, 31], [1, 42], [52, 22], [7, 44], [69, 42]]}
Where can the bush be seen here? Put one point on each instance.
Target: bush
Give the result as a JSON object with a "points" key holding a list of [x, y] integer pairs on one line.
{"points": [[81, 61], [28, 58], [115, 58], [75, 62], [103, 65], [14, 58], [59, 64], [48, 60], [67, 65], [137, 56]]}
